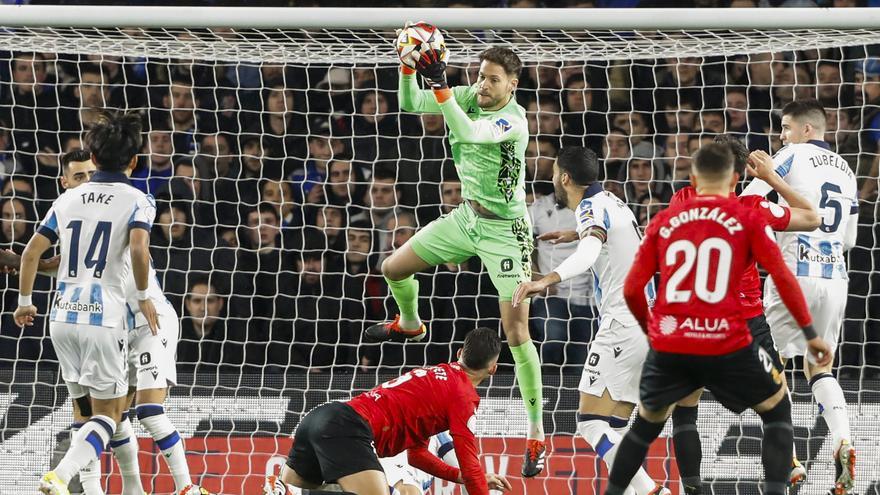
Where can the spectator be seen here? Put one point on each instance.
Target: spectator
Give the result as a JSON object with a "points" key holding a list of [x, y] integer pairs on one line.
{"points": [[712, 121], [616, 150], [544, 117], [279, 194], [252, 169], [561, 319], [583, 123], [540, 155], [450, 192], [92, 94], [634, 124], [382, 197], [177, 250], [828, 83], [314, 170], [17, 220], [398, 228], [737, 111], [421, 170], [868, 91], [284, 129], [346, 185], [153, 172], [331, 221], [678, 157], [844, 140], [375, 128], [178, 100], [209, 342], [644, 179], [263, 282], [320, 339]]}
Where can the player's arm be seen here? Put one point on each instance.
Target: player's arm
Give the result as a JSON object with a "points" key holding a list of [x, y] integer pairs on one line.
{"points": [[421, 458], [767, 254], [782, 163], [411, 97], [26, 311], [11, 262], [576, 264], [643, 269], [802, 215], [475, 481], [480, 131], [139, 245]]}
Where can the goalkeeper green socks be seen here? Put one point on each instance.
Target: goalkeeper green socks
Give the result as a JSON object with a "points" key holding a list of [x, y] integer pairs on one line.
{"points": [[528, 375], [406, 295]]}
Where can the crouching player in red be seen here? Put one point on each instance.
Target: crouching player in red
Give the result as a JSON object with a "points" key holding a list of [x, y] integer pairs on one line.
{"points": [[698, 335], [341, 442]]}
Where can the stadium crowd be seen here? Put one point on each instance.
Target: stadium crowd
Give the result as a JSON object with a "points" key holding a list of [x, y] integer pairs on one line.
{"points": [[281, 189]]}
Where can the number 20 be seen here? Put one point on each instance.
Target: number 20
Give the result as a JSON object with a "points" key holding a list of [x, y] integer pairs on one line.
{"points": [[701, 256]]}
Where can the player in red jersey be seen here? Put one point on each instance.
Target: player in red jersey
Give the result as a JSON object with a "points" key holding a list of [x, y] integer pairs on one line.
{"points": [[798, 216], [341, 442], [697, 332]]}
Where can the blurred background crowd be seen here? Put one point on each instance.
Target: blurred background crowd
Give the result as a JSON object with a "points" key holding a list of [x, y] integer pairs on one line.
{"points": [[281, 189]]}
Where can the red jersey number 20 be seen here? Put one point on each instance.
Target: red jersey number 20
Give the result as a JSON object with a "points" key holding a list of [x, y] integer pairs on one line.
{"points": [[709, 250]]}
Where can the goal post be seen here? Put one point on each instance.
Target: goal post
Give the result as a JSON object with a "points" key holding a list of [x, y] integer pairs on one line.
{"points": [[296, 108]]}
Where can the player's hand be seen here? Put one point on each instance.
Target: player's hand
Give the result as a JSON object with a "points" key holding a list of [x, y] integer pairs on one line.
{"points": [[432, 67], [24, 315], [527, 289], [559, 236], [497, 482], [760, 165], [49, 265], [149, 312], [9, 261], [819, 351]]}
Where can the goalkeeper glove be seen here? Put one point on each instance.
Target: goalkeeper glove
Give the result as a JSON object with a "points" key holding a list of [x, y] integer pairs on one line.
{"points": [[431, 66]]}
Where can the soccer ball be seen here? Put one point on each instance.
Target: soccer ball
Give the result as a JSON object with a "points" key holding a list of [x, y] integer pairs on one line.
{"points": [[415, 39]]}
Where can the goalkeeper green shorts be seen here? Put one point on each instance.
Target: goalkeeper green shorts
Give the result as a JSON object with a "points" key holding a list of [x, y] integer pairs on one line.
{"points": [[504, 246]]}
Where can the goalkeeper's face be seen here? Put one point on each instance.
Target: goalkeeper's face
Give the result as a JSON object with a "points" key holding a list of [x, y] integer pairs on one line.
{"points": [[494, 86]]}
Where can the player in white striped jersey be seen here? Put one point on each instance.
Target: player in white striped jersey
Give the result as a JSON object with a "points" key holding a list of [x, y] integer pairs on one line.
{"points": [[608, 239], [809, 166], [96, 225]]}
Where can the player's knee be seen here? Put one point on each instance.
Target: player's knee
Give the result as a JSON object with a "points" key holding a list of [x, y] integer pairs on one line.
{"points": [[779, 413], [389, 269]]}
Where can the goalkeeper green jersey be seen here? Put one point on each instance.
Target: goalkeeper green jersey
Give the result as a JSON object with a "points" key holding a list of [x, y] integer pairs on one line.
{"points": [[488, 148]]}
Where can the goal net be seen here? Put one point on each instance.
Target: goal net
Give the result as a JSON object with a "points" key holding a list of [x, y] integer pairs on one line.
{"points": [[285, 172]]}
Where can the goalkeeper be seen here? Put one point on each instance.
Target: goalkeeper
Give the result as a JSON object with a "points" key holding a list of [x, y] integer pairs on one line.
{"points": [[488, 133]]}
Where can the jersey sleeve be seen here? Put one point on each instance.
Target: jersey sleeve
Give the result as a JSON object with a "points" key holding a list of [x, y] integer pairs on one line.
{"points": [[499, 129], [462, 423], [783, 161], [777, 216], [414, 99], [49, 226], [422, 458], [642, 271], [592, 219], [767, 254], [144, 213]]}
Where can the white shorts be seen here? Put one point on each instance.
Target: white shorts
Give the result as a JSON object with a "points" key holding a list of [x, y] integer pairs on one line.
{"points": [[397, 470], [615, 362], [93, 359], [826, 299], [151, 362]]}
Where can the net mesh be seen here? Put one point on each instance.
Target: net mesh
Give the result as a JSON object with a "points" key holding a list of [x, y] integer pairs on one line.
{"points": [[285, 173]]}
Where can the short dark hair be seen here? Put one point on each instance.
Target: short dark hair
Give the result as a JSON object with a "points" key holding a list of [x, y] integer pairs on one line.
{"points": [[505, 57], [481, 347], [580, 163], [114, 140], [77, 155], [713, 160], [809, 110], [199, 279], [266, 208], [739, 150]]}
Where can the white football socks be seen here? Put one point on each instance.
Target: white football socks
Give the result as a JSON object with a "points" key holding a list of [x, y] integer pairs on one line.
{"points": [[154, 420], [85, 446], [832, 407], [125, 449], [605, 441]]}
